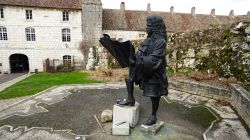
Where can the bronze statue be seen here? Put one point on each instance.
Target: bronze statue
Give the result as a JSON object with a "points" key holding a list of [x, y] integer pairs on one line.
{"points": [[147, 67]]}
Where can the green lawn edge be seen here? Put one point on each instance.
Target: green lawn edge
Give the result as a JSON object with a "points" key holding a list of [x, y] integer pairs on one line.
{"points": [[42, 81]]}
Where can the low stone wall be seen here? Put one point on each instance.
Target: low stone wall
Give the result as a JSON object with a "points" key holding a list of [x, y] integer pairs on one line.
{"points": [[240, 100], [238, 97], [200, 89]]}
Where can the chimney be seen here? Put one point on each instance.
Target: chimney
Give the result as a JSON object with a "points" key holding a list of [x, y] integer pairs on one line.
{"points": [[212, 13], [172, 9], [149, 8], [231, 14], [122, 6], [248, 14], [193, 11]]}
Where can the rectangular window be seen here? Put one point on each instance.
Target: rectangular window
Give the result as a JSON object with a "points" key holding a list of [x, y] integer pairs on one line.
{"points": [[65, 16], [28, 14], [1, 13], [67, 61], [3, 33], [66, 35], [30, 34], [141, 35]]}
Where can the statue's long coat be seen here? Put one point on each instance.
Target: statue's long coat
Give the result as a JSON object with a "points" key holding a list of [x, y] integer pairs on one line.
{"points": [[150, 68]]}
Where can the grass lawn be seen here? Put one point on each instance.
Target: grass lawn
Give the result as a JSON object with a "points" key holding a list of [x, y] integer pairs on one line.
{"points": [[39, 82]]}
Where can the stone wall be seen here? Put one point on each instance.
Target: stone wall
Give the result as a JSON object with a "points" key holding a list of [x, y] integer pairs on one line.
{"points": [[92, 21], [238, 97], [240, 100], [200, 89], [220, 49]]}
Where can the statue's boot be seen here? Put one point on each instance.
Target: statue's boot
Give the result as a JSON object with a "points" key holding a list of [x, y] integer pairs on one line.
{"points": [[130, 101], [151, 120]]}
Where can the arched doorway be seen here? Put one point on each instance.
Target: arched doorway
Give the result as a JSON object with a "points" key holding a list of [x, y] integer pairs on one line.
{"points": [[19, 63]]}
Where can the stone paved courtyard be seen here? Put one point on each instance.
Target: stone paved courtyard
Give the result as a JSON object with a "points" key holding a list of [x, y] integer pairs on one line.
{"points": [[66, 112]]}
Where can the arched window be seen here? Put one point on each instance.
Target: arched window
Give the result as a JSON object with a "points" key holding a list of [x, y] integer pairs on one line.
{"points": [[66, 35], [3, 33], [30, 34]]}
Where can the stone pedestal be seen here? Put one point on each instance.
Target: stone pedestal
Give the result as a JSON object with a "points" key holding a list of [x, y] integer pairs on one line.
{"points": [[153, 129], [121, 129], [124, 117]]}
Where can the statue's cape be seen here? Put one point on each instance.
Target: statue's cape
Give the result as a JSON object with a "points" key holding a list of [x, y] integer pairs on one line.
{"points": [[121, 51]]}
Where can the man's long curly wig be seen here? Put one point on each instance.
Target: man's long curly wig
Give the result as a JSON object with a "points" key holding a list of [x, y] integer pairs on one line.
{"points": [[156, 26]]}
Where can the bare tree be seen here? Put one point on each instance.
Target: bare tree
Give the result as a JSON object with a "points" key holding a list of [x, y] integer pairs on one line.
{"points": [[84, 48]]}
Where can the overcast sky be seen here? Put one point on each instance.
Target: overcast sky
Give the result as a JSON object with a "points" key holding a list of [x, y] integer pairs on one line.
{"points": [[222, 7]]}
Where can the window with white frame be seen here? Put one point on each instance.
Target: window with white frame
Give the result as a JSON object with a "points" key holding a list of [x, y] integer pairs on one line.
{"points": [[3, 33], [67, 61], [30, 34], [141, 35], [1, 13], [66, 35], [29, 14], [65, 16]]}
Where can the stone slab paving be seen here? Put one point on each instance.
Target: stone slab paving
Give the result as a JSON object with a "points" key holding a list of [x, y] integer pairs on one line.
{"points": [[66, 112]]}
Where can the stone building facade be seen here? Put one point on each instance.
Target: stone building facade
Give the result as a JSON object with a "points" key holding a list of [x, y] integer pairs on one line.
{"points": [[32, 31], [35, 33]]}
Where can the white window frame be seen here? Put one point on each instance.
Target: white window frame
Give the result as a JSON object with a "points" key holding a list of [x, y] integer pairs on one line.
{"points": [[28, 14], [66, 35], [67, 60], [3, 34], [65, 15], [30, 34], [141, 35]]}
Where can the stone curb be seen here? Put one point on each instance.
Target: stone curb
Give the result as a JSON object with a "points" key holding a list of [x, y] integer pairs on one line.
{"points": [[200, 89], [240, 100]]}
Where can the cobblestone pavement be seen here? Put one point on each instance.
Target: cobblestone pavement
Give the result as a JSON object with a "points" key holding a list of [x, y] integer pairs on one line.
{"points": [[66, 112], [7, 77]]}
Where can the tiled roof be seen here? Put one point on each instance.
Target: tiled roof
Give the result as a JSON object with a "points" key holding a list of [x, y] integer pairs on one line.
{"points": [[65, 4], [115, 19], [176, 22]]}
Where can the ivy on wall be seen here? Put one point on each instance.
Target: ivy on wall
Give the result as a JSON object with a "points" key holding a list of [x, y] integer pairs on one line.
{"points": [[220, 49]]}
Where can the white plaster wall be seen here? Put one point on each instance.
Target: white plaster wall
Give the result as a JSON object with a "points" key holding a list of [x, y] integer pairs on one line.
{"points": [[37, 56], [125, 35], [48, 26]]}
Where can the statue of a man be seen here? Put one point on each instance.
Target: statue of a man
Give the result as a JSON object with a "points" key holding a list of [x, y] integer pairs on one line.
{"points": [[147, 68]]}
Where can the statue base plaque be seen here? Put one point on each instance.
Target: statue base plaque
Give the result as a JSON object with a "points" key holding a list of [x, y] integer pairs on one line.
{"points": [[124, 117]]}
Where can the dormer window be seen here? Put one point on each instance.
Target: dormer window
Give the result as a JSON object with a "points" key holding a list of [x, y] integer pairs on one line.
{"points": [[29, 14], [65, 16], [1, 13]]}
